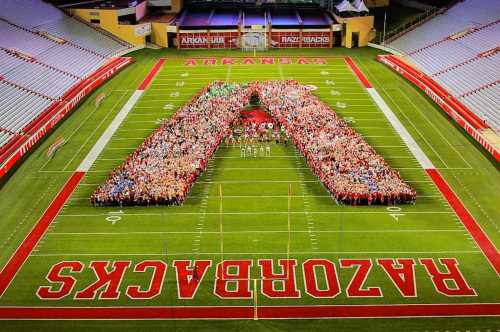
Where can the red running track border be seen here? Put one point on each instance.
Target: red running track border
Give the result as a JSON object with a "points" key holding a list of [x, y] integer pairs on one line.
{"points": [[151, 74], [359, 74], [250, 312], [22, 253], [477, 233]]}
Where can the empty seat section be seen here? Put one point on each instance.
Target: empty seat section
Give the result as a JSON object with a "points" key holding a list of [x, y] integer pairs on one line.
{"points": [[41, 79], [72, 60], [36, 70], [450, 48], [29, 13], [8, 62], [82, 35], [22, 40], [19, 107]]}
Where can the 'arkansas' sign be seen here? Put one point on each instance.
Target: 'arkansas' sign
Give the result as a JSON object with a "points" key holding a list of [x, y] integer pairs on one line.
{"points": [[232, 279], [201, 40]]}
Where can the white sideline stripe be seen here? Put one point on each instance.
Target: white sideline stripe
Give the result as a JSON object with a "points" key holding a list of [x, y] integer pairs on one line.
{"points": [[96, 150], [401, 130]]}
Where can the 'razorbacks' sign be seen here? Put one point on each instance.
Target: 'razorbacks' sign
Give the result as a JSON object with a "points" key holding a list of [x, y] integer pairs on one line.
{"points": [[232, 279], [294, 39]]}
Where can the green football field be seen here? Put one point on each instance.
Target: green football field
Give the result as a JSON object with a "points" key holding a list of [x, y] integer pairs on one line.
{"points": [[252, 219]]}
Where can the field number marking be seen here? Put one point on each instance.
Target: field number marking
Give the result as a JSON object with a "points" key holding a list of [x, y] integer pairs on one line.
{"points": [[114, 217], [395, 212]]}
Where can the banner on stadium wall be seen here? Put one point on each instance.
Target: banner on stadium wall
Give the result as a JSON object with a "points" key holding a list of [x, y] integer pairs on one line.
{"points": [[443, 102], [58, 110], [223, 40], [292, 39]]}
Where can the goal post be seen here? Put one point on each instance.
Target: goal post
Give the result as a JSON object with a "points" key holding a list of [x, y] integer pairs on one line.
{"points": [[254, 40], [255, 301]]}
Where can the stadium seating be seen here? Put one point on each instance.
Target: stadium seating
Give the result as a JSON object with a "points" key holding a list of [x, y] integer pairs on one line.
{"points": [[43, 54], [82, 35], [19, 107], [450, 48]]}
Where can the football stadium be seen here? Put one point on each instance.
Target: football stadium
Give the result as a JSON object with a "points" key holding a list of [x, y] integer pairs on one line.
{"points": [[329, 165]]}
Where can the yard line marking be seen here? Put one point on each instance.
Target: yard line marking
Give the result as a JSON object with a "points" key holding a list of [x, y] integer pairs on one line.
{"points": [[126, 139], [273, 253], [228, 72], [259, 231], [257, 213]]}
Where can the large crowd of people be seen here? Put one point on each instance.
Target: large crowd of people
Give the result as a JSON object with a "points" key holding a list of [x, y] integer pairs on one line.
{"points": [[344, 162], [163, 169]]}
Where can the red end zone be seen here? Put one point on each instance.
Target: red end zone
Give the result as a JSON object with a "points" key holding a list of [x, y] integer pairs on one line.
{"points": [[242, 312]]}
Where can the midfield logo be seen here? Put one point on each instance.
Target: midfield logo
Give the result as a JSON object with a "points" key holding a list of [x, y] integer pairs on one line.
{"points": [[232, 279]]}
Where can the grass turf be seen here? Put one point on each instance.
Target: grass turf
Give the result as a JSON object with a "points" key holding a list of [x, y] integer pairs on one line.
{"points": [[255, 192]]}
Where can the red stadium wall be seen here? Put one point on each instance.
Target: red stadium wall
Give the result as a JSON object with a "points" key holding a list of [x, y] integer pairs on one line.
{"points": [[12, 152], [293, 39], [218, 39], [469, 121]]}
